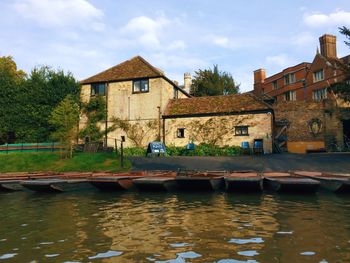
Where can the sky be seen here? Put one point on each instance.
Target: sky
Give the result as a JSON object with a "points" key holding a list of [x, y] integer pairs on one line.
{"points": [[86, 37]]}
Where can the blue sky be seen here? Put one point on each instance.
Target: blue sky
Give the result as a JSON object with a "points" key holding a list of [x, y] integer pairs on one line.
{"points": [[88, 36]]}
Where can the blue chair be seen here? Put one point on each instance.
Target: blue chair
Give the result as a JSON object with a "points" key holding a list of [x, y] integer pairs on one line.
{"points": [[245, 148], [258, 147]]}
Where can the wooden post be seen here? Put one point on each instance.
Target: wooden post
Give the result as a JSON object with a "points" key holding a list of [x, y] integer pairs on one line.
{"points": [[115, 147], [7, 148], [121, 154]]}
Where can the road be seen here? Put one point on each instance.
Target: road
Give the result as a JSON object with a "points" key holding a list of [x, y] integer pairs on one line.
{"points": [[325, 162]]}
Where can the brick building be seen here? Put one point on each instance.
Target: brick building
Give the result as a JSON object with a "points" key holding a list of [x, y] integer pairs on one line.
{"points": [[305, 81], [308, 116]]}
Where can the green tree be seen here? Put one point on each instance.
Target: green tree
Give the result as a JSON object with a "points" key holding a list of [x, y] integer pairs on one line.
{"points": [[212, 82], [342, 89], [11, 84], [65, 118], [44, 89], [96, 114]]}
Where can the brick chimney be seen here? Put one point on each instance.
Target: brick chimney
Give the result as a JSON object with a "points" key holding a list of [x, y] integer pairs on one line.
{"points": [[328, 44], [187, 82], [259, 78]]}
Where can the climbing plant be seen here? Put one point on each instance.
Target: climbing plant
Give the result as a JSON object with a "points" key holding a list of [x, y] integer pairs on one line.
{"points": [[138, 131]]}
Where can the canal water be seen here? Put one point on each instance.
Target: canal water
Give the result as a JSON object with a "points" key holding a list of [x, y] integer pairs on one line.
{"points": [[148, 227]]}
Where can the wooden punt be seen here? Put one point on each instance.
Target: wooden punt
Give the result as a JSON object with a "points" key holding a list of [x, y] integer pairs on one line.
{"points": [[243, 182], [156, 183], [113, 183], [10, 185], [332, 182], [56, 185], [286, 183], [200, 181]]}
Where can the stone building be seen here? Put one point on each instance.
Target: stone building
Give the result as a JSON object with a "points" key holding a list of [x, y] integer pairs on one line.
{"points": [[221, 120], [135, 92], [152, 107]]}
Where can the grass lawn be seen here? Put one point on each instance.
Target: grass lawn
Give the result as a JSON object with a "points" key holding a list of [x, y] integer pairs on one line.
{"points": [[81, 162]]}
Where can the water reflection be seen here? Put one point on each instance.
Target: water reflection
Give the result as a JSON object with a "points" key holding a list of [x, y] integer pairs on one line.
{"points": [[163, 227]]}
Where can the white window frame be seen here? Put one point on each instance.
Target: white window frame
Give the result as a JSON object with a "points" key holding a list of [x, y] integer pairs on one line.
{"points": [[318, 75], [319, 94]]}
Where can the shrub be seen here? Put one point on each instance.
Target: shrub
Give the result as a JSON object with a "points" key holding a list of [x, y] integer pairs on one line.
{"points": [[200, 150]]}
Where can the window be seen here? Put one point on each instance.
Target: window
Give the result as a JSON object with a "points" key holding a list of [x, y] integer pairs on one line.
{"points": [[180, 133], [289, 78], [140, 86], [290, 96], [319, 94], [241, 131], [318, 75], [98, 89], [274, 85]]}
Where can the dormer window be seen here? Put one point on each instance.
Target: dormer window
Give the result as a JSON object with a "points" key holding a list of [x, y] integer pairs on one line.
{"points": [[140, 86], [98, 89], [318, 75]]}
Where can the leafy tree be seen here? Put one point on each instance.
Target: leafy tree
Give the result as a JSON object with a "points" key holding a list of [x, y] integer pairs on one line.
{"points": [[65, 118], [96, 113], [11, 83], [342, 89], [212, 82], [44, 89]]}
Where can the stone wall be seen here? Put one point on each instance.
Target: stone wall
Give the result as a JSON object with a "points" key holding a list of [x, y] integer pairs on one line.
{"points": [[300, 113], [220, 129], [141, 108]]}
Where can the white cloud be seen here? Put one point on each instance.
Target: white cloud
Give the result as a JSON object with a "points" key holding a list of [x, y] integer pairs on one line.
{"points": [[146, 30], [304, 39], [338, 18], [183, 62], [281, 60], [61, 13], [177, 44]]}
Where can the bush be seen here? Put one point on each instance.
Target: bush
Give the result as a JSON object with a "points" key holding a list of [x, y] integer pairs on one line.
{"points": [[199, 150], [134, 151]]}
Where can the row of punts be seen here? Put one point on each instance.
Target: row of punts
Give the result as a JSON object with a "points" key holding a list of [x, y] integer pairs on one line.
{"points": [[182, 180]]}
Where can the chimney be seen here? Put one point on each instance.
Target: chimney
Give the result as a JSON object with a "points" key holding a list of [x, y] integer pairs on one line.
{"points": [[328, 44], [187, 82], [259, 76]]}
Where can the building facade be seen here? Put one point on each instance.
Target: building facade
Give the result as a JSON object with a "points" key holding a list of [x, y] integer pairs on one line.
{"points": [[137, 94], [305, 81], [147, 106], [308, 116]]}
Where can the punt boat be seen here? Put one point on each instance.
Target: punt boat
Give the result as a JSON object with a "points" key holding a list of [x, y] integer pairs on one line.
{"points": [[286, 183], [332, 182], [243, 182], [200, 181]]}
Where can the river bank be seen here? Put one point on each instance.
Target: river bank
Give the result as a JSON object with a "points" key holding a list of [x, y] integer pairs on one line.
{"points": [[81, 162]]}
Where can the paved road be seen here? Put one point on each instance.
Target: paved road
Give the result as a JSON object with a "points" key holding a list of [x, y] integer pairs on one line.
{"points": [[336, 162]]}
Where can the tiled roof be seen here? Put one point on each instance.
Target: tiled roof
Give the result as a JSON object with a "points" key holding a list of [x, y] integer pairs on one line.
{"points": [[215, 105], [136, 67]]}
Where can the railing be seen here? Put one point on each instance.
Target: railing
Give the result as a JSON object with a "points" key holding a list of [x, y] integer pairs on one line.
{"points": [[31, 147]]}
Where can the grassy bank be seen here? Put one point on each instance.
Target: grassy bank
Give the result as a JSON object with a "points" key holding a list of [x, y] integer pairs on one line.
{"points": [[81, 162]]}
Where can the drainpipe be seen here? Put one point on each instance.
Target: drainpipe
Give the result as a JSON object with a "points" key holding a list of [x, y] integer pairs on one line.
{"points": [[106, 123], [159, 124]]}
